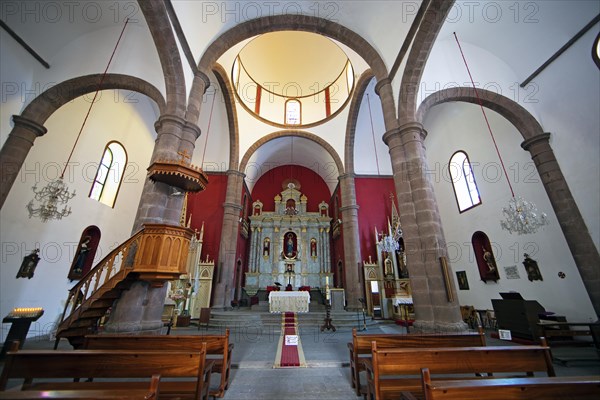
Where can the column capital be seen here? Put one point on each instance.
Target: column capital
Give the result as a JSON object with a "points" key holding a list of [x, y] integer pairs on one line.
{"points": [[382, 83], [234, 172], [347, 175], [33, 126], [204, 77], [232, 205], [190, 126], [169, 118], [543, 137]]}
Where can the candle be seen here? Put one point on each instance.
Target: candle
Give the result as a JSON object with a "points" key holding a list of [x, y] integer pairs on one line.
{"points": [[327, 280]]}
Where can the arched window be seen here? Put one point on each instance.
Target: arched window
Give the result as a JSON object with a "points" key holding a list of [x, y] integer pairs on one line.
{"points": [[293, 110], [463, 181], [110, 174]]}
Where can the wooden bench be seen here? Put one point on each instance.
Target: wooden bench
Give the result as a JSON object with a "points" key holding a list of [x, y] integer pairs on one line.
{"points": [[388, 369], [150, 393], [218, 349], [360, 347], [184, 374], [547, 388]]}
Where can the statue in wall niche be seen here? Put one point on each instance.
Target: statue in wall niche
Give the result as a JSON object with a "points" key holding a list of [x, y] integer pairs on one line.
{"points": [[266, 247], [313, 247]]}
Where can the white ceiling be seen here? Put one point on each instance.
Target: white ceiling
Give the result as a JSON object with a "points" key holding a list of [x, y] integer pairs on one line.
{"points": [[523, 34]]}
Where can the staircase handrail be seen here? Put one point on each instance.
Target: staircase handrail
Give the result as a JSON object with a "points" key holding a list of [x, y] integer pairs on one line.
{"points": [[122, 258]]}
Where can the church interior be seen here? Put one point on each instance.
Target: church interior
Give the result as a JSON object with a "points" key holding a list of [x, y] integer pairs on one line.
{"points": [[418, 164]]}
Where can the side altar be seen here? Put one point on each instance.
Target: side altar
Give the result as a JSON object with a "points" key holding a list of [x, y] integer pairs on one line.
{"points": [[290, 245]]}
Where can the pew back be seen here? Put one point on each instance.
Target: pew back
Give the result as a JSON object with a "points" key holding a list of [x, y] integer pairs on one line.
{"points": [[387, 367], [40, 370], [360, 346], [218, 348], [547, 388]]}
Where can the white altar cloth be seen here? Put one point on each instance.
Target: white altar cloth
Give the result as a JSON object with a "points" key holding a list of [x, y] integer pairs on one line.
{"points": [[289, 302]]}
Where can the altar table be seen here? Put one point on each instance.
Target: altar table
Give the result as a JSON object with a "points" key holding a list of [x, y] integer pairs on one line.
{"points": [[289, 302]]}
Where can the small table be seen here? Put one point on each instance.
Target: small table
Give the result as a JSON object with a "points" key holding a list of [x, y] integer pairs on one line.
{"points": [[289, 302]]}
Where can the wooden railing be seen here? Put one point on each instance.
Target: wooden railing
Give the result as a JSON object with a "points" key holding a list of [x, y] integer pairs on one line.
{"points": [[116, 265], [157, 253]]}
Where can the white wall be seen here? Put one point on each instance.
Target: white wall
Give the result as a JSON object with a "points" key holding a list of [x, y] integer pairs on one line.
{"points": [[460, 126], [114, 117]]}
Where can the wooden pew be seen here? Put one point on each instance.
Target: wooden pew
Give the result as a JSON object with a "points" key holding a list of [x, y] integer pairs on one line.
{"points": [[218, 349], [547, 388], [388, 369], [360, 347], [184, 374], [150, 393]]}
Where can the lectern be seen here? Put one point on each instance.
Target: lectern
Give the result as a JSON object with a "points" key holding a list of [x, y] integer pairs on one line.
{"points": [[21, 319]]}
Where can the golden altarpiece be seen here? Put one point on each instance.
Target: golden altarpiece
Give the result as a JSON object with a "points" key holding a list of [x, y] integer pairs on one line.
{"points": [[387, 285], [290, 245]]}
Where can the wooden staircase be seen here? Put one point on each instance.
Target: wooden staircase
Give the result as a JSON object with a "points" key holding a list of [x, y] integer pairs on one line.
{"points": [[157, 253]]}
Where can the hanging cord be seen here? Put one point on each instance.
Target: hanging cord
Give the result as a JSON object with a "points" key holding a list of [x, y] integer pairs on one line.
{"points": [[208, 128], [292, 158], [373, 134], [484, 114], [94, 99]]}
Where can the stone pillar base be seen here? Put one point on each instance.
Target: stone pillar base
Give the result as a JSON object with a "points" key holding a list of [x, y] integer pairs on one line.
{"points": [[421, 326]]}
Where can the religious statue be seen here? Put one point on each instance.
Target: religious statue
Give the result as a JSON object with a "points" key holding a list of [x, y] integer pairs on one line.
{"points": [[289, 245], [489, 260], [533, 271], [313, 247], [266, 247], [84, 250]]}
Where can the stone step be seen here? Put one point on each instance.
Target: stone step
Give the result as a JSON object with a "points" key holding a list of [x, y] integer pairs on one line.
{"points": [[250, 318]]}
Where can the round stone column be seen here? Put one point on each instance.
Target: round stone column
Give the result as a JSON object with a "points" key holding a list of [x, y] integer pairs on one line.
{"points": [[350, 236], [435, 308], [15, 151], [227, 250], [571, 222]]}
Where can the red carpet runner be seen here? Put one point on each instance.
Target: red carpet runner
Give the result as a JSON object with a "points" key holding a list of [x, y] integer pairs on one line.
{"points": [[289, 351]]}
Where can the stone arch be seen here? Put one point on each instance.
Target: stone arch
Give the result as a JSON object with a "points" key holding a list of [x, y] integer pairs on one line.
{"points": [[30, 124], [290, 133], [525, 123], [580, 242], [359, 92], [43, 106], [289, 22], [232, 121], [156, 15], [434, 18]]}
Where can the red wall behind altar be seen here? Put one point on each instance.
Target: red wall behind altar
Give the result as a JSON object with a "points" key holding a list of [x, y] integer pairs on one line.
{"points": [[373, 197], [207, 207], [312, 186]]}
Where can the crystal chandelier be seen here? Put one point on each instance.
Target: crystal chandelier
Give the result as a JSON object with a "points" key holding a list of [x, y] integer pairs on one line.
{"points": [[50, 197], [522, 217], [388, 244]]}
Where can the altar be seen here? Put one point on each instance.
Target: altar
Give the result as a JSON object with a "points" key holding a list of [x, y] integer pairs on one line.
{"points": [[289, 302]]}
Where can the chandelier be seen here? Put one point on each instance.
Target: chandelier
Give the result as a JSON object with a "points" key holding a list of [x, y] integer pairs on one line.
{"points": [[390, 242], [51, 197], [56, 193], [522, 217]]}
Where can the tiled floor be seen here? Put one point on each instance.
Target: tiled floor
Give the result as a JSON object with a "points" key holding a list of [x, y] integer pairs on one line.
{"points": [[327, 375]]}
